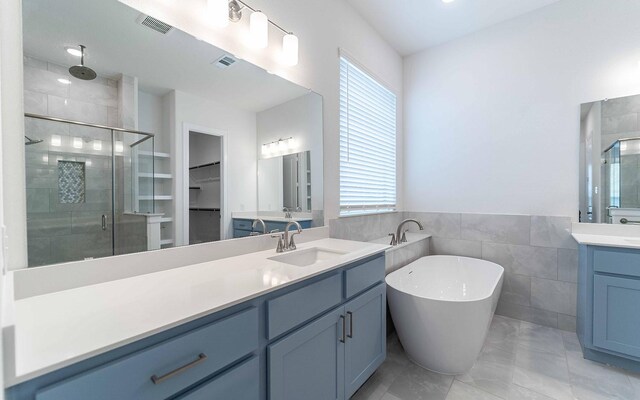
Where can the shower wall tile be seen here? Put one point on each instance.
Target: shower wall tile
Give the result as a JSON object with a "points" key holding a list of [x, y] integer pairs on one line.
{"points": [[621, 106], [37, 200], [48, 224], [537, 252], [34, 62], [552, 232], [620, 123], [80, 246], [529, 314], [77, 110], [45, 82], [511, 229], [551, 295], [59, 69], [95, 93], [39, 251], [566, 322], [445, 225], [540, 262], [41, 177], [35, 103], [568, 265], [516, 289], [456, 247]]}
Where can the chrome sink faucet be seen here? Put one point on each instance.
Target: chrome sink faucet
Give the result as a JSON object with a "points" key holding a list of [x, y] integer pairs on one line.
{"points": [[286, 242], [256, 222], [287, 212], [400, 236]]}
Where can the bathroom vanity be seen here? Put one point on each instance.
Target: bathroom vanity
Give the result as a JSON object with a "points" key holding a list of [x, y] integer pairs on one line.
{"points": [[242, 227], [305, 324], [608, 321]]}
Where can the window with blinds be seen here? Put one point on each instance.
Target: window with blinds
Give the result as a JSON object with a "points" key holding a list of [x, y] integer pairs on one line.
{"points": [[367, 143]]}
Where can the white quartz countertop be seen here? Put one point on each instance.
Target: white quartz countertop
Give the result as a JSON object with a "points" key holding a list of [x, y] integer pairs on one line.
{"points": [[611, 235], [55, 330], [630, 242]]}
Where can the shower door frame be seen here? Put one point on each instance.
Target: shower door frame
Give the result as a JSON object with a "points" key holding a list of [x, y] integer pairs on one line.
{"points": [[112, 129]]}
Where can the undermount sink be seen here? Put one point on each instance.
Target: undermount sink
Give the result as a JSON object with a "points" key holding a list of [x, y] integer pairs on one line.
{"points": [[306, 257]]}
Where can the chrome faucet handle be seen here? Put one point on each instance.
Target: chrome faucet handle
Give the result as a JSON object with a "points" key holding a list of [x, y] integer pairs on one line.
{"points": [[280, 247], [292, 244], [404, 236], [274, 231], [393, 239]]}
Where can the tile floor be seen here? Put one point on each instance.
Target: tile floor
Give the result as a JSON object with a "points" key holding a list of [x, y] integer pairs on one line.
{"points": [[519, 361]]}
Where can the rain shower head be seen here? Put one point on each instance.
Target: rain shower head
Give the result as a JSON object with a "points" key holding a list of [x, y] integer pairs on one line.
{"points": [[81, 71], [32, 141]]}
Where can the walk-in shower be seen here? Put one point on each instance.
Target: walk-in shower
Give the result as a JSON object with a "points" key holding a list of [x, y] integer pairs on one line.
{"points": [[621, 169], [88, 188]]}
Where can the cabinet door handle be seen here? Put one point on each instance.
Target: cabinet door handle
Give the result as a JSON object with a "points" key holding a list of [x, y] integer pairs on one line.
{"points": [[104, 222], [344, 329], [350, 314], [159, 379]]}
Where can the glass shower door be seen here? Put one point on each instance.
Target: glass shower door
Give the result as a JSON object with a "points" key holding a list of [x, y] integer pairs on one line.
{"points": [[69, 191]]}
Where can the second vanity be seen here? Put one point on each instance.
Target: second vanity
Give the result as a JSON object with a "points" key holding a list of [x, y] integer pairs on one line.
{"points": [[256, 326], [608, 322]]}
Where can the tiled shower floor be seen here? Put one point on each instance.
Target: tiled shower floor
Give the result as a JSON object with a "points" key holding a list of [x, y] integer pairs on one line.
{"points": [[519, 361]]}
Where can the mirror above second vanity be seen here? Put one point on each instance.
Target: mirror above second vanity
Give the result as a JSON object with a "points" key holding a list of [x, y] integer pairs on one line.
{"points": [[141, 137]]}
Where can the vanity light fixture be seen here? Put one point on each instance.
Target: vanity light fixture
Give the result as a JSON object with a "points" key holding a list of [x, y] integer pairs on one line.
{"points": [[259, 30], [278, 146], [218, 12]]}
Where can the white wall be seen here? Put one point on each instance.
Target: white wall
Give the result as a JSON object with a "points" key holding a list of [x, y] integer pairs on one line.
{"points": [[322, 27], [301, 119], [239, 128], [151, 119], [492, 119]]}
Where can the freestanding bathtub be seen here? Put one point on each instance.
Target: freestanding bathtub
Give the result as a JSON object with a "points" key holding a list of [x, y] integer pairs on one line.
{"points": [[442, 307]]}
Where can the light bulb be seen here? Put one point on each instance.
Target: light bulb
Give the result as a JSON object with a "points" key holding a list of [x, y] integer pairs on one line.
{"points": [[290, 50], [273, 147], [119, 146], [218, 11], [74, 51], [259, 30], [265, 149], [56, 140]]}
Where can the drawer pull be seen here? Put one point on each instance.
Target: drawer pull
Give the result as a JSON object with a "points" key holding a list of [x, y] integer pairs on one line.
{"points": [[159, 379], [350, 334]]}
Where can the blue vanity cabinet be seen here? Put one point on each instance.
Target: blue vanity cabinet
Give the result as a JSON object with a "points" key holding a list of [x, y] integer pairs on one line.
{"points": [[608, 322], [366, 345], [333, 356], [320, 338], [309, 363]]}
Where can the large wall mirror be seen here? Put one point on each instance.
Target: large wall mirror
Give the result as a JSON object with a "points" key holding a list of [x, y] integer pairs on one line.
{"points": [[610, 161], [141, 137]]}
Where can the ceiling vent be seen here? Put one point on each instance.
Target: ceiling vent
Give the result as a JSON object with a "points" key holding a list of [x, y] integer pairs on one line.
{"points": [[225, 61], [154, 24]]}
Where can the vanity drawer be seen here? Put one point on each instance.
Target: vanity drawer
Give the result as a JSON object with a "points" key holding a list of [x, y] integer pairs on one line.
{"points": [[239, 383], [362, 277], [193, 356], [616, 261], [292, 309], [242, 224]]}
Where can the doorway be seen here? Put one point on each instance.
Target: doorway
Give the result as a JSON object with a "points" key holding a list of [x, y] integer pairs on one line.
{"points": [[205, 188]]}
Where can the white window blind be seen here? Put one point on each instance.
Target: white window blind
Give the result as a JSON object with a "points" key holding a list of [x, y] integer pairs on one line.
{"points": [[367, 143]]}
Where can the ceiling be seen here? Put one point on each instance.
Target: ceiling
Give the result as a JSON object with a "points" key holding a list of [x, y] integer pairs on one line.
{"points": [[116, 44], [413, 25]]}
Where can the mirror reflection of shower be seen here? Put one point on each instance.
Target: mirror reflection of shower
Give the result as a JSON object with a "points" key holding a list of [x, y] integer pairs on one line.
{"points": [[621, 169]]}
